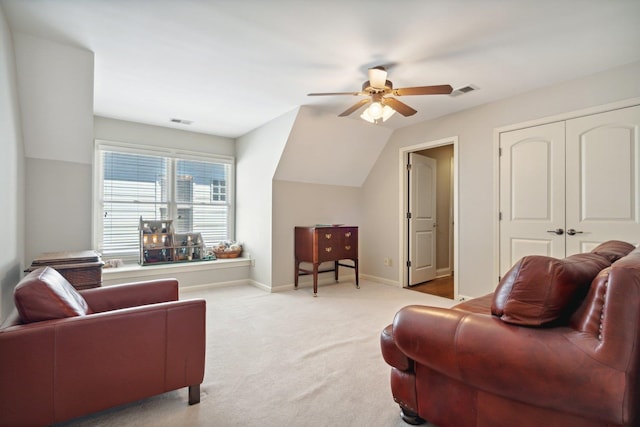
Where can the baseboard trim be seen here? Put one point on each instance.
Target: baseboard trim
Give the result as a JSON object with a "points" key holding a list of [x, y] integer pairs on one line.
{"points": [[205, 286], [393, 283]]}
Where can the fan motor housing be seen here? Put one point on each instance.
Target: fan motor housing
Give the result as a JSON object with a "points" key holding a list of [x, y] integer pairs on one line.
{"points": [[366, 87]]}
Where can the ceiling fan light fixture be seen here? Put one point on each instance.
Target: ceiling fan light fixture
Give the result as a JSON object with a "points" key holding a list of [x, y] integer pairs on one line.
{"points": [[379, 114], [375, 110], [377, 77]]}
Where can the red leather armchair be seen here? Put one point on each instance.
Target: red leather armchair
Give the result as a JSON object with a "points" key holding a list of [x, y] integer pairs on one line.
{"points": [[520, 358], [131, 342]]}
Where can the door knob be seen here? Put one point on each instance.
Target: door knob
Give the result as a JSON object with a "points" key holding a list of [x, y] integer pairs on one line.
{"points": [[558, 231], [572, 232]]}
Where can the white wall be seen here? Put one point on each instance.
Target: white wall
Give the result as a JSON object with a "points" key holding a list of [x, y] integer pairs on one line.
{"points": [[137, 133], [11, 174], [477, 160], [326, 149], [55, 88], [55, 84], [257, 157]]}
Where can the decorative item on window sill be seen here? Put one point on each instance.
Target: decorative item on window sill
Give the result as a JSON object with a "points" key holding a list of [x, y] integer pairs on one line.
{"points": [[160, 244], [227, 250]]}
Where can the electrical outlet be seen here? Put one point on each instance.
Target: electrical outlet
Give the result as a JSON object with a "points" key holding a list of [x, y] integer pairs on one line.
{"points": [[388, 262]]}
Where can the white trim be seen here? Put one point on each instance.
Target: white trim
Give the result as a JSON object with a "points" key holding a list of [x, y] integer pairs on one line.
{"points": [[138, 272], [135, 148], [384, 281], [537, 122], [561, 117], [216, 285], [402, 250]]}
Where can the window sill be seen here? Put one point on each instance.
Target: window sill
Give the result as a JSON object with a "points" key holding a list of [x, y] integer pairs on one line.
{"points": [[139, 272]]}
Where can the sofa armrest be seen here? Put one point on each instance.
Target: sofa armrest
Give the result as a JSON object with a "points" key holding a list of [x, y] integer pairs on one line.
{"points": [[538, 366], [135, 294]]}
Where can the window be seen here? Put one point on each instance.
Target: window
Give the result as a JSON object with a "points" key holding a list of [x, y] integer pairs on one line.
{"points": [[192, 189]]}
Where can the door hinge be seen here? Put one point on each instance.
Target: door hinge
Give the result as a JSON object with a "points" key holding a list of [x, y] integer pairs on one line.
{"points": [[408, 263], [499, 279], [499, 216], [408, 215], [499, 151], [409, 166]]}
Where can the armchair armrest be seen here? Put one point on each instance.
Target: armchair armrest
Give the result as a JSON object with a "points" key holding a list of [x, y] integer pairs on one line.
{"points": [[506, 360], [131, 294]]}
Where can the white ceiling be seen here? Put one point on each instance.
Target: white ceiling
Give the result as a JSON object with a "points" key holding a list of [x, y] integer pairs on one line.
{"points": [[232, 65]]}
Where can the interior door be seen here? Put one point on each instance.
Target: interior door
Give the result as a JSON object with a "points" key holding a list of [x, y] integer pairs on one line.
{"points": [[422, 221], [603, 179], [532, 200]]}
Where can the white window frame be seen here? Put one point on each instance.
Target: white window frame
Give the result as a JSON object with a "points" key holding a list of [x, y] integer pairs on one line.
{"points": [[97, 207]]}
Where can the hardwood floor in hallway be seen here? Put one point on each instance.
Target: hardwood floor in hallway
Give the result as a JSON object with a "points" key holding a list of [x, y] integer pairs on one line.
{"points": [[442, 287]]}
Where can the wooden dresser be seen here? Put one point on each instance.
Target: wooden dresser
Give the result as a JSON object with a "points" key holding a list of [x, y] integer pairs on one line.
{"points": [[319, 244]]}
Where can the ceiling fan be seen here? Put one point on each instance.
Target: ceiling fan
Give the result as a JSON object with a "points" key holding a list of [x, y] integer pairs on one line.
{"points": [[379, 91]]}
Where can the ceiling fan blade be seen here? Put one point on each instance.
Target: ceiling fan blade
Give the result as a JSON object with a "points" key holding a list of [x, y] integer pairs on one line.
{"points": [[423, 90], [335, 93], [354, 107], [400, 107]]}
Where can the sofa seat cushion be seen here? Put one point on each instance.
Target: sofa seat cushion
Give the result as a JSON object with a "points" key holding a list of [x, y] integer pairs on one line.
{"points": [[44, 294], [480, 305], [539, 290]]}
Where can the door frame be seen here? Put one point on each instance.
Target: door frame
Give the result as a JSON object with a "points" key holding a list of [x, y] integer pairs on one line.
{"points": [[403, 207]]}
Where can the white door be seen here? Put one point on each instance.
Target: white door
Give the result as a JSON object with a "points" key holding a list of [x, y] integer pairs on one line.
{"points": [[532, 200], [422, 221], [599, 157], [603, 179]]}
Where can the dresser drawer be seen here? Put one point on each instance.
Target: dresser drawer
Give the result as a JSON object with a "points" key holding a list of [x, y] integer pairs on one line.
{"points": [[348, 246], [328, 244]]}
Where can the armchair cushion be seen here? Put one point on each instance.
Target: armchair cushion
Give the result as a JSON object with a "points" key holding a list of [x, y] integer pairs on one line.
{"points": [[539, 289], [44, 294]]}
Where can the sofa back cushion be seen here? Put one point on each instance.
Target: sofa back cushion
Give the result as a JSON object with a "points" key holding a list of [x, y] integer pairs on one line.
{"points": [[539, 290], [45, 294], [613, 250]]}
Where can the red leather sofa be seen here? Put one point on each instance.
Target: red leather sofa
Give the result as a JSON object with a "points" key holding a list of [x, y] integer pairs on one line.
{"points": [[557, 344], [66, 353]]}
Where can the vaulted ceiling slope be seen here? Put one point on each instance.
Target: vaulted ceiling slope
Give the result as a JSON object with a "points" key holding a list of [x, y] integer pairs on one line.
{"points": [[232, 66], [325, 149]]}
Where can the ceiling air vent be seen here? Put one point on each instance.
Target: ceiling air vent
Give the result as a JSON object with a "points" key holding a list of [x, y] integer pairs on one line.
{"points": [[182, 121], [463, 90]]}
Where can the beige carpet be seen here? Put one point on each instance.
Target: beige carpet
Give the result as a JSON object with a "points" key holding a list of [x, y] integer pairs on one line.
{"points": [[286, 359]]}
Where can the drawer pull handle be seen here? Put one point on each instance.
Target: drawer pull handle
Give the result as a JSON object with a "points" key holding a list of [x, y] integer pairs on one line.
{"points": [[348, 248], [328, 249], [347, 234], [328, 235]]}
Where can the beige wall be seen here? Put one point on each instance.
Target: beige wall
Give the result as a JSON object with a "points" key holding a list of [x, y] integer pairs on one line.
{"points": [[300, 204], [11, 174], [477, 269], [257, 157]]}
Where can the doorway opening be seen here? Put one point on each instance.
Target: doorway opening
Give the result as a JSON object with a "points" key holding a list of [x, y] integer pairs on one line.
{"points": [[429, 217]]}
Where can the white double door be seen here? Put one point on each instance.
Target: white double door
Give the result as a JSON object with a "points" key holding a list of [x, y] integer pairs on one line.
{"points": [[567, 186]]}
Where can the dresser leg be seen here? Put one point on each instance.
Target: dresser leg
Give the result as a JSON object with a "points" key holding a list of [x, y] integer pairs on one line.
{"points": [[296, 274], [355, 261], [315, 280]]}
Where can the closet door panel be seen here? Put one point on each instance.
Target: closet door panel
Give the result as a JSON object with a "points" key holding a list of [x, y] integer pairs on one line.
{"points": [[603, 179], [532, 183]]}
